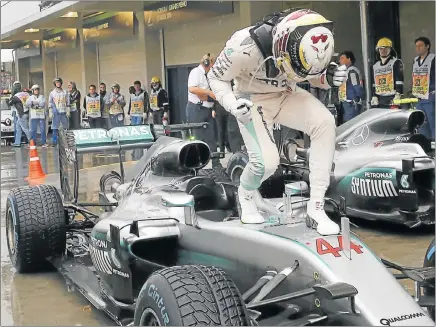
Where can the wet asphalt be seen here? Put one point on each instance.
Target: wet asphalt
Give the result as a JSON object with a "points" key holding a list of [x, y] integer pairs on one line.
{"points": [[44, 299]]}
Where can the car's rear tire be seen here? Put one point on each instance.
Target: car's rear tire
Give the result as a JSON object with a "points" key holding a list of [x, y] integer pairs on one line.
{"points": [[217, 174], [272, 187], [35, 226], [236, 165], [429, 261], [190, 296]]}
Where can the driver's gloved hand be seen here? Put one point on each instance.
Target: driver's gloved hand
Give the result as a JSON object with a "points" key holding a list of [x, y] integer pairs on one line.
{"points": [[241, 109]]}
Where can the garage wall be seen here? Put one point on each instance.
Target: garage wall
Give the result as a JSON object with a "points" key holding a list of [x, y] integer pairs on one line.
{"points": [[153, 57], [346, 18], [417, 19], [118, 64], [23, 72], [187, 43], [70, 67], [91, 65], [35, 64]]}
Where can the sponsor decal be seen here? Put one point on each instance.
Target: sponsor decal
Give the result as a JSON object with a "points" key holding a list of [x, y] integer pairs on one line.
{"points": [[229, 51], [323, 247], [360, 136], [273, 82], [377, 144], [403, 191], [98, 243], [404, 181], [101, 260], [123, 134], [219, 68], [400, 138], [389, 321], [277, 127], [120, 273], [153, 292], [174, 182], [373, 187], [377, 175]]}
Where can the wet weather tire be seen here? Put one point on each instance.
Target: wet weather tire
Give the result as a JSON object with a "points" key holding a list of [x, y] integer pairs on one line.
{"points": [[236, 165], [190, 296], [217, 174], [429, 261], [35, 226], [272, 187]]}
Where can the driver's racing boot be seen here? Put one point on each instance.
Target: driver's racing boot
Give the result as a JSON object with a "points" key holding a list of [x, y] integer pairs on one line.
{"points": [[249, 212], [317, 219]]}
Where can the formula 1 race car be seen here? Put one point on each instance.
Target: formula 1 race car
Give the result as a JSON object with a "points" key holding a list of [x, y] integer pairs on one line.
{"points": [[381, 169], [174, 252]]}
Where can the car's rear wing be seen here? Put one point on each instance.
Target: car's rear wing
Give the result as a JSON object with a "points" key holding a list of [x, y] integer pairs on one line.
{"points": [[117, 138], [95, 140]]}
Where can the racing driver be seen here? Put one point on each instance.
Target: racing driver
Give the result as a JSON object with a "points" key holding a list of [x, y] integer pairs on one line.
{"points": [[266, 61]]}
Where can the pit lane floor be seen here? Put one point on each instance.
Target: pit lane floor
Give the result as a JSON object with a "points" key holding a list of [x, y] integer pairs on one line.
{"points": [[44, 299]]}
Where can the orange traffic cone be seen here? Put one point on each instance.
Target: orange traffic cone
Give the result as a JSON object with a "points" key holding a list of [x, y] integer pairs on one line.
{"points": [[36, 174]]}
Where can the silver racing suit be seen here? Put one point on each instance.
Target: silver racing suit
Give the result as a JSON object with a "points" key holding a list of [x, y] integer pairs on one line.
{"points": [[276, 100]]}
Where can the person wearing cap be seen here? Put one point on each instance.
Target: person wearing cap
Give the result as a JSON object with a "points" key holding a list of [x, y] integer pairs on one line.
{"points": [[115, 102], [423, 84], [18, 102], [74, 94], [92, 103], [59, 108], [36, 103], [200, 104], [138, 105], [388, 76], [159, 103]]}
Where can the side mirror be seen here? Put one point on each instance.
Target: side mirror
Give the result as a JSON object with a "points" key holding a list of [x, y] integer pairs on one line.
{"points": [[296, 188], [182, 200]]}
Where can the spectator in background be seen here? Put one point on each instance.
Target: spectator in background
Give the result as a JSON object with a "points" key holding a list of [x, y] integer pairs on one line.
{"points": [[159, 103], [36, 103], [105, 120], [59, 108], [351, 92], [200, 104], [116, 103], [423, 84], [138, 105], [75, 96], [93, 104], [221, 116], [18, 103], [388, 75]]}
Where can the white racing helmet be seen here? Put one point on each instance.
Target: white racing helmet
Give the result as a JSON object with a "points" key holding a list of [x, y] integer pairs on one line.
{"points": [[303, 44], [34, 87]]}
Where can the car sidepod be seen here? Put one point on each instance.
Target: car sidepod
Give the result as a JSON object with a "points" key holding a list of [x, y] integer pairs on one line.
{"points": [[402, 194]]}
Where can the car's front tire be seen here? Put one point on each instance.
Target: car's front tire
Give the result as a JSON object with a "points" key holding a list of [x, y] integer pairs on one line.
{"points": [[35, 226], [190, 296], [429, 261]]}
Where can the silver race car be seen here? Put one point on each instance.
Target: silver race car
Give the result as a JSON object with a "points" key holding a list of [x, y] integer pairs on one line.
{"points": [[173, 251]]}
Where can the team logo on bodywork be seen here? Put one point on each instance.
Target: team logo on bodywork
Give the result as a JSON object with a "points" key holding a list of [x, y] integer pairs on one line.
{"points": [[372, 182]]}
